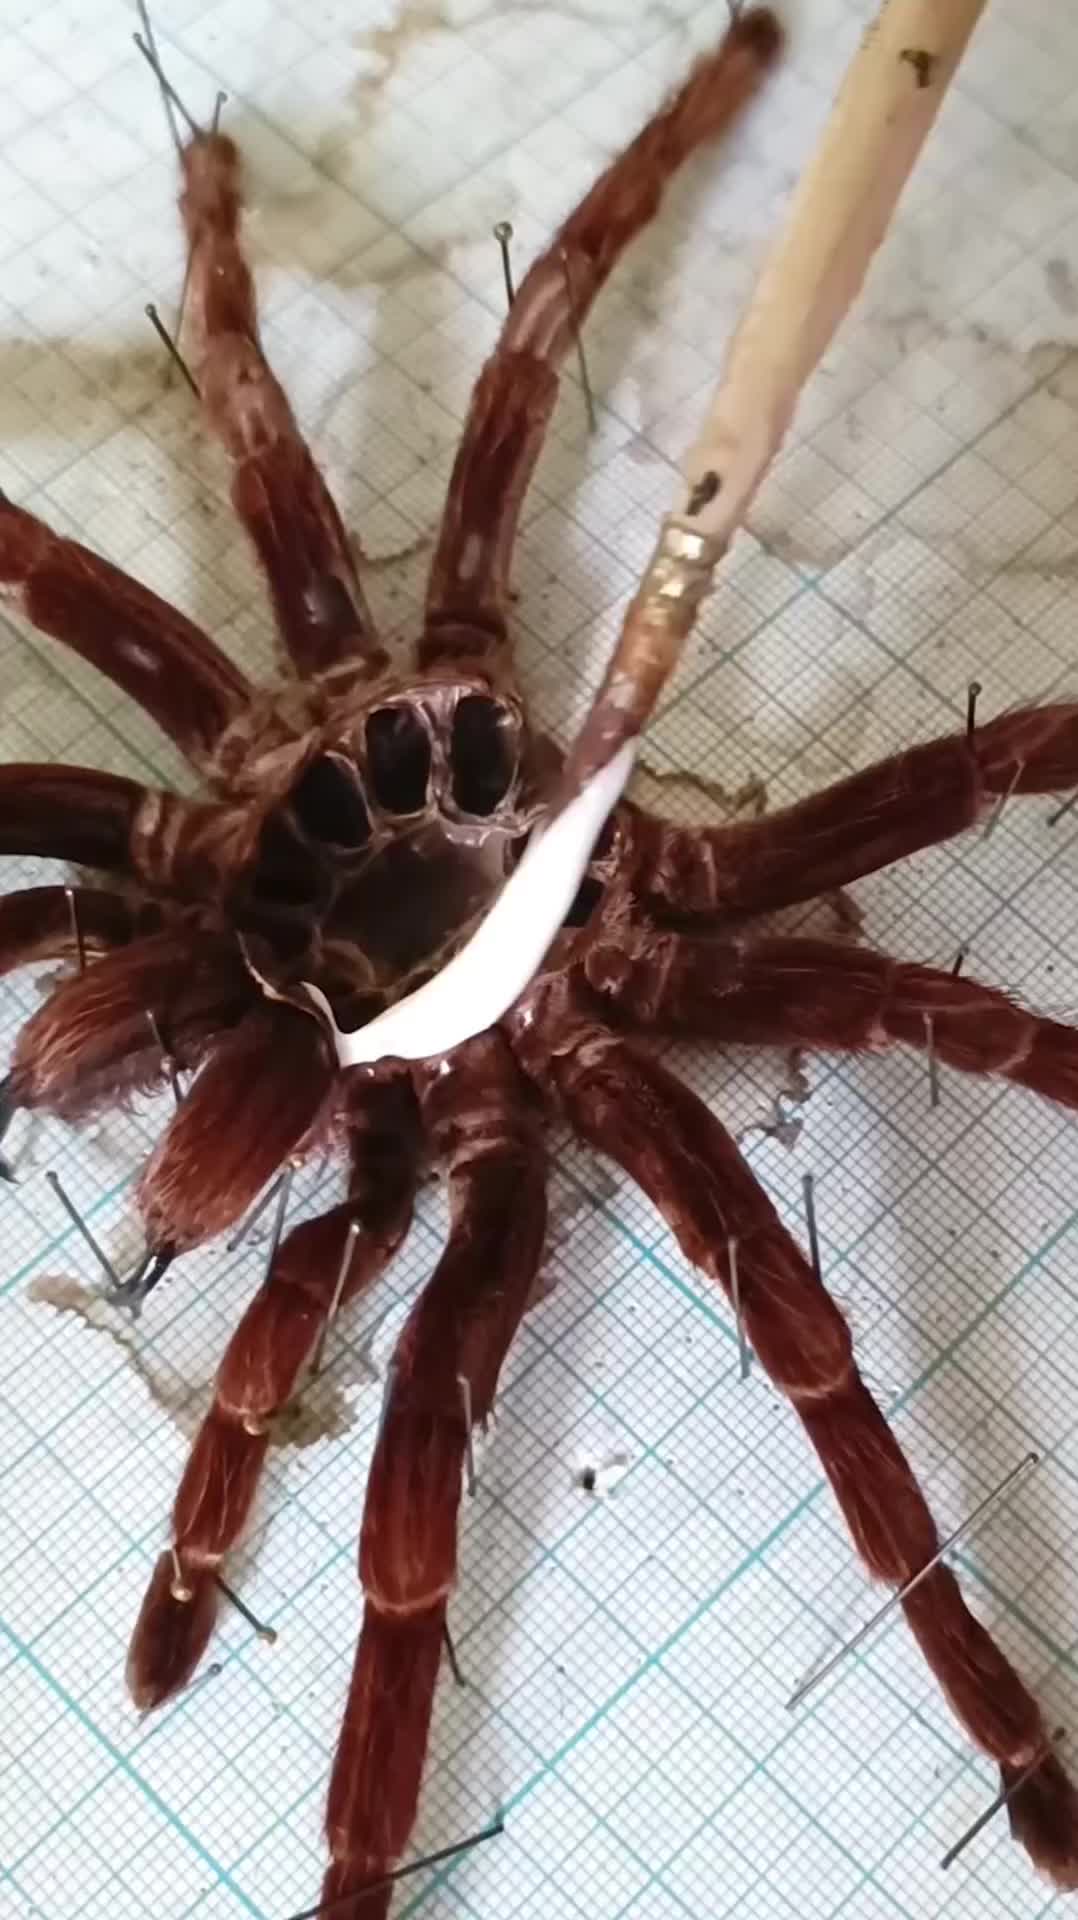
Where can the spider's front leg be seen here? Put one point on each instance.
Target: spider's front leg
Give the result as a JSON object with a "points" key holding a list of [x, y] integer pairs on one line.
{"points": [[319, 1267], [277, 490], [468, 592], [482, 1126], [151, 650], [631, 1108], [913, 800]]}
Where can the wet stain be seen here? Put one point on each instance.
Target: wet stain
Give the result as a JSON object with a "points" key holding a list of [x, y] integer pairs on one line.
{"points": [[1059, 278], [324, 1410], [417, 20], [750, 798]]}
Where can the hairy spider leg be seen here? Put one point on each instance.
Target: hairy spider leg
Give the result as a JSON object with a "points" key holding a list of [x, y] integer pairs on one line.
{"points": [[159, 657], [66, 923], [914, 799], [161, 841], [256, 1101], [262, 1368], [277, 490], [70, 813], [670, 1143], [91, 1043], [514, 397], [812, 993], [484, 1130]]}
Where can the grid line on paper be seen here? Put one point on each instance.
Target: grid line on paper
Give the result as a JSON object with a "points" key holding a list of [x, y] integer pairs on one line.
{"points": [[627, 1659]]}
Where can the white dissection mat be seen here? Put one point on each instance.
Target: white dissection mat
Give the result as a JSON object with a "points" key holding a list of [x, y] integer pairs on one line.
{"points": [[651, 1562]]}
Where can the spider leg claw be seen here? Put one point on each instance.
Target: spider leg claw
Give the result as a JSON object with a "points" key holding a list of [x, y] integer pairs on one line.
{"points": [[133, 1292]]}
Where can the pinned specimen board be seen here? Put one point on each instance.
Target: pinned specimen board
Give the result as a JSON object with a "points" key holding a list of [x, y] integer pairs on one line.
{"points": [[651, 1564]]}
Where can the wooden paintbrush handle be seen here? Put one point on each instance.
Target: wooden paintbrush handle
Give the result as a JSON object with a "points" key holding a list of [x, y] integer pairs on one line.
{"points": [[839, 214], [889, 98]]}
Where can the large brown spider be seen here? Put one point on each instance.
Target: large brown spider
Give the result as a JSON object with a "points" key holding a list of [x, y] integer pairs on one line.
{"points": [[354, 824]]}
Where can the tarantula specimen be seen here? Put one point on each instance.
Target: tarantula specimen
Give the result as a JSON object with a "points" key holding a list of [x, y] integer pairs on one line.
{"points": [[352, 825]]}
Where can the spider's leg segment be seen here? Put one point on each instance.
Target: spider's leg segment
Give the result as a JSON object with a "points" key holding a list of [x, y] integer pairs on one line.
{"points": [[65, 923], [69, 813], [99, 1035], [255, 1102], [57, 923], [150, 649], [483, 1128], [631, 1108], [277, 490], [868, 821], [814, 993], [169, 843], [262, 1368], [467, 596]]}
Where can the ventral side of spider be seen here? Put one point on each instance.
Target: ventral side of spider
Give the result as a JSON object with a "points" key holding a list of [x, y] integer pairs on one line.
{"points": [[350, 825]]}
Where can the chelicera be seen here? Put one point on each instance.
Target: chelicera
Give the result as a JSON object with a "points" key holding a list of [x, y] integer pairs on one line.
{"points": [[353, 823]]}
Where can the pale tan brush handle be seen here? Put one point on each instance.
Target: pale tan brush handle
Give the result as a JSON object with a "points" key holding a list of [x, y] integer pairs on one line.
{"points": [[889, 98], [839, 214]]}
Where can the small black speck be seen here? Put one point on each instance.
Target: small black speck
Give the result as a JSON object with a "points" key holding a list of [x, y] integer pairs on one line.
{"points": [[587, 1479], [921, 62], [705, 489]]}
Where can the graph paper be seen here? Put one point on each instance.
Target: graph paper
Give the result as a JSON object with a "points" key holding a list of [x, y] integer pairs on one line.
{"points": [[628, 1651]]}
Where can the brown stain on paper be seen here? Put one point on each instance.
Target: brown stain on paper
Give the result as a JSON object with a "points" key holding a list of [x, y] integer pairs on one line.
{"points": [[322, 1411]]}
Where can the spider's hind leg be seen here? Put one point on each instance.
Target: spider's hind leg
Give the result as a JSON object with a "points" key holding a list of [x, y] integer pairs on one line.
{"points": [[483, 1129], [628, 1106], [320, 1266]]}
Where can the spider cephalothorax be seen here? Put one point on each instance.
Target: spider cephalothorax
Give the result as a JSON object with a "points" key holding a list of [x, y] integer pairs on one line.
{"points": [[351, 826]]}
